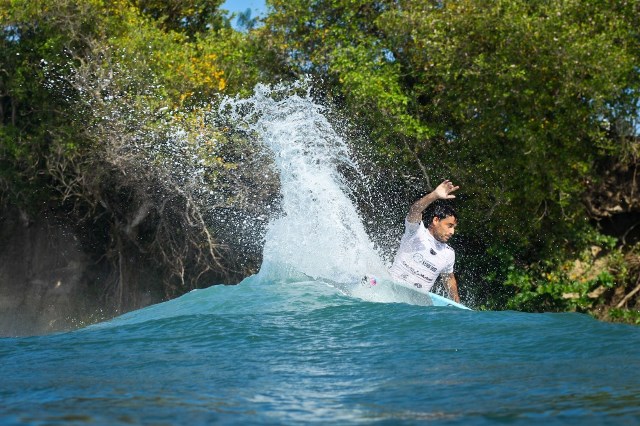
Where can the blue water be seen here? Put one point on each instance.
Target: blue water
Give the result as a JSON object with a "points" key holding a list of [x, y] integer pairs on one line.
{"points": [[302, 342], [265, 352]]}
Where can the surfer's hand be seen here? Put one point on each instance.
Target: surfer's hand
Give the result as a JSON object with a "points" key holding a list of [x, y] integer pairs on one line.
{"points": [[444, 190]]}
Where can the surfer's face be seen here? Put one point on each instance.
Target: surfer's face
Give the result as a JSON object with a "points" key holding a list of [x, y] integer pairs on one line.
{"points": [[443, 229]]}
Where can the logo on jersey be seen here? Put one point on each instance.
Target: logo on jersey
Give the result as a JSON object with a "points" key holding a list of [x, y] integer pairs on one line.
{"points": [[433, 252], [416, 273], [418, 258]]}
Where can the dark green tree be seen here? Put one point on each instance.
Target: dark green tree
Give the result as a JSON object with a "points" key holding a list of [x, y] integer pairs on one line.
{"points": [[522, 102], [187, 16]]}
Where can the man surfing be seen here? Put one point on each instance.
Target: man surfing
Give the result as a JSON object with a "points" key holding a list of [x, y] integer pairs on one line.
{"points": [[423, 254]]}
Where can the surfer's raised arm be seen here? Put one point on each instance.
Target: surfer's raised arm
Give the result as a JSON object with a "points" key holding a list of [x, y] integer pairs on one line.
{"points": [[442, 192]]}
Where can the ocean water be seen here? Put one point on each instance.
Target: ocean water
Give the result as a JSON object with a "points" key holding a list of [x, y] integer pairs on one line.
{"points": [[303, 342], [267, 352]]}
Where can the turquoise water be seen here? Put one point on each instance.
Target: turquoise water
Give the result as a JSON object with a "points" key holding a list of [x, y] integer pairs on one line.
{"points": [[265, 352], [284, 348]]}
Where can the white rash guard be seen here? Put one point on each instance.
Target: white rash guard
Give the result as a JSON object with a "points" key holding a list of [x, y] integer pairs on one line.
{"points": [[421, 258]]}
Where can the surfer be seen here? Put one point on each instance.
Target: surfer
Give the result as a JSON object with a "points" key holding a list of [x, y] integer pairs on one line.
{"points": [[424, 254]]}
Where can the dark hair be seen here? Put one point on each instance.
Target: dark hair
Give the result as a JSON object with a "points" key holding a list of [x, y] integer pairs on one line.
{"points": [[440, 210]]}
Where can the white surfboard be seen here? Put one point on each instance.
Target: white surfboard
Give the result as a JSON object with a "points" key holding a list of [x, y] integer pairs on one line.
{"points": [[411, 294]]}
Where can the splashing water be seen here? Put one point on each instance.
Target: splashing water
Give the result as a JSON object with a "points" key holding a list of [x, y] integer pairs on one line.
{"points": [[320, 233]]}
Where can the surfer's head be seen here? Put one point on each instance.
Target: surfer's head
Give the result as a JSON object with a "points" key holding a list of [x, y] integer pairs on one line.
{"points": [[442, 220]]}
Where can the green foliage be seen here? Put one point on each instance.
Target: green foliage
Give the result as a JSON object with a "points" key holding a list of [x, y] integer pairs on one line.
{"points": [[52, 48], [519, 102], [519, 91], [33, 123], [625, 315], [555, 291], [88, 94], [510, 99], [190, 17], [580, 284], [341, 42]]}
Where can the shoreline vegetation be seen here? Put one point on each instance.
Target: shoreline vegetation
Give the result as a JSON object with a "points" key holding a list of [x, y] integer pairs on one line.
{"points": [[122, 184]]}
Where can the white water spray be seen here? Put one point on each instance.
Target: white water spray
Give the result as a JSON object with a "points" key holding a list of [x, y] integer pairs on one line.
{"points": [[320, 233]]}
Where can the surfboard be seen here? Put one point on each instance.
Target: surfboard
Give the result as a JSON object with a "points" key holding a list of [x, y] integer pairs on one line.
{"points": [[409, 293]]}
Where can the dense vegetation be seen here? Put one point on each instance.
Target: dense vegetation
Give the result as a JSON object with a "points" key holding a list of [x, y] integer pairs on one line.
{"points": [[531, 106]]}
